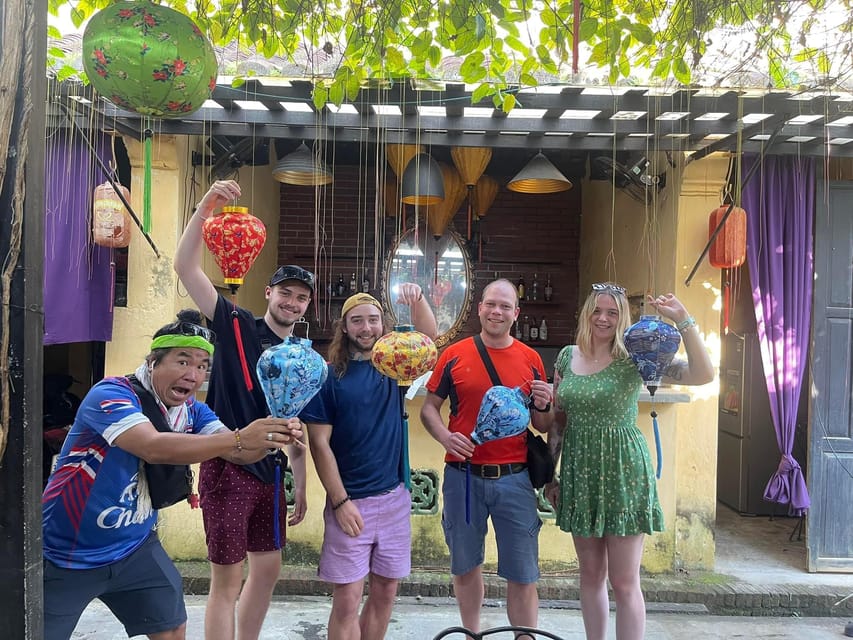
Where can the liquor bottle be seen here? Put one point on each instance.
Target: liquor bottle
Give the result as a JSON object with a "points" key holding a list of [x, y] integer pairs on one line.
{"points": [[525, 329], [534, 290], [549, 290], [521, 289], [340, 286], [353, 285], [543, 330], [534, 329], [518, 334], [365, 283]]}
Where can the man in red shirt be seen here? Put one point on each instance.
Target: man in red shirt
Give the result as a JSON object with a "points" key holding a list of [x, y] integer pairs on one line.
{"points": [[500, 487]]}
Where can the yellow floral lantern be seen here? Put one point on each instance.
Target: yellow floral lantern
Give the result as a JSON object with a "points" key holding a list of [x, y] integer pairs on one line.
{"points": [[404, 354]]}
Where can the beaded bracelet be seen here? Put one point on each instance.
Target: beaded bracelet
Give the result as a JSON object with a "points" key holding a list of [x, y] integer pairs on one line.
{"points": [[338, 505], [238, 444], [685, 324]]}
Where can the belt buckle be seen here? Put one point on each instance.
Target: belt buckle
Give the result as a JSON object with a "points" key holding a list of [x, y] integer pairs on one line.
{"points": [[485, 471]]}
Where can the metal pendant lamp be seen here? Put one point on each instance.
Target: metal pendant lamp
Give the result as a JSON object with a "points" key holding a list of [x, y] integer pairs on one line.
{"points": [[302, 167], [422, 182], [539, 176]]}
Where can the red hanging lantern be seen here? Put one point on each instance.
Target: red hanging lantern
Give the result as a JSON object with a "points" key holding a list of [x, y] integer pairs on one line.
{"points": [[729, 247], [110, 219], [235, 238]]}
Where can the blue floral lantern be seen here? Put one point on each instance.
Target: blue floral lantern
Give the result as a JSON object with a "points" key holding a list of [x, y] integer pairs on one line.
{"points": [[652, 344]]}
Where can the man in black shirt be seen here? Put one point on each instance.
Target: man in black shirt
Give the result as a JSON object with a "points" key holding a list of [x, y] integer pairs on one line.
{"points": [[238, 502]]}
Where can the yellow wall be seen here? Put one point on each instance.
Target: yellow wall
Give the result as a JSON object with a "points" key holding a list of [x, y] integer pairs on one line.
{"points": [[643, 248]]}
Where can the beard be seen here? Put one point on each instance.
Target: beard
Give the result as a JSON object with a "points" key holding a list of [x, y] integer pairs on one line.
{"points": [[357, 346]]}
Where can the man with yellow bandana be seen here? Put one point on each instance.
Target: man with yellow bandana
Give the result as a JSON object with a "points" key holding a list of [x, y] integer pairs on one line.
{"points": [[98, 520]]}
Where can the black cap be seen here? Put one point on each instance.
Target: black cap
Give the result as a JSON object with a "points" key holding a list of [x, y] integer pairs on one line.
{"points": [[293, 272]]}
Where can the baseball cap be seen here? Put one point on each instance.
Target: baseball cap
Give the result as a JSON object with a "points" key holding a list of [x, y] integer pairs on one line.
{"points": [[293, 272]]}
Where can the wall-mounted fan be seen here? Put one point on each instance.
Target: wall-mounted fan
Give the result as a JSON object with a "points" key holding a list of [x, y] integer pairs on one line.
{"points": [[229, 153], [631, 175]]}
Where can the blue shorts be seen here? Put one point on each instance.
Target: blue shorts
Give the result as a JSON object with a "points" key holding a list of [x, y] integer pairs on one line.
{"points": [[383, 548], [510, 501], [144, 591]]}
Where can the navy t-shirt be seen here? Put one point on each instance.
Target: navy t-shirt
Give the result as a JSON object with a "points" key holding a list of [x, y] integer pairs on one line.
{"points": [[227, 394], [365, 410]]}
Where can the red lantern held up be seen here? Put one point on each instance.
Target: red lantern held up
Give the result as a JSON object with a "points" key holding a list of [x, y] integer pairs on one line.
{"points": [[235, 238], [729, 247], [110, 219]]}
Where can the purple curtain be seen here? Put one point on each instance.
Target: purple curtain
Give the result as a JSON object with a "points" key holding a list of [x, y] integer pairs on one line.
{"points": [[78, 274], [780, 203]]}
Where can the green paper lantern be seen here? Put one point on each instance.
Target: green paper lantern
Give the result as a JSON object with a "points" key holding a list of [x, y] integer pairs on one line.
{"points": [[149, 59]]}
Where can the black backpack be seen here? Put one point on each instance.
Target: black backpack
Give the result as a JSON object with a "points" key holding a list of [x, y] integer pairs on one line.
{"points": [[168, 484]]}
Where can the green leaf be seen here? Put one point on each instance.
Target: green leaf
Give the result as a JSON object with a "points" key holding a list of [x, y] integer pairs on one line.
{"points": [[238, 81], [823, 63], [435, 56], [481, 92], [55, 52], [320, 97], [662, 68], [471, 64], [508, 103], [528, 80], [517, 45], [394, 60], [53, 33], [65, 72], [336, 92], [589, 27], [681, 71]]}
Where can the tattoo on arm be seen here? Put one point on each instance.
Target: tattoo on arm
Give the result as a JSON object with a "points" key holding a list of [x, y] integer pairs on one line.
{"points": [[676, 369]]}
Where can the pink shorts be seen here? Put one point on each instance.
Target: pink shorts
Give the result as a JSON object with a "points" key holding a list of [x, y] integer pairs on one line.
{"points": [[384, 546], [238, 512]]}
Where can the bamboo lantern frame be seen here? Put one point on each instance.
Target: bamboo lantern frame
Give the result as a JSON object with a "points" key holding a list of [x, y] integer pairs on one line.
{"points": [[399, 156], [439, 215], [471, 163]]}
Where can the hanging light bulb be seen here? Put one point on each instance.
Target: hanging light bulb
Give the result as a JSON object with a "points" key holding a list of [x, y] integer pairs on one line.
{"points": [[302, 167], [422, 181], [539, 176]]}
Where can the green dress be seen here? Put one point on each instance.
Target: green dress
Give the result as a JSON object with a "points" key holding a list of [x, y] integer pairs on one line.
{"points": [[607, 481]]}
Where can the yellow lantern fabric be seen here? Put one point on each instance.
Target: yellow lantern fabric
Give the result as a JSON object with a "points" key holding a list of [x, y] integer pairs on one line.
{"points": [[439, 215], [483, 195], [404, 354]]}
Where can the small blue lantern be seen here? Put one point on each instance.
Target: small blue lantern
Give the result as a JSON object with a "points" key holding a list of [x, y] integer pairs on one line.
{"points": [[652, 344]]}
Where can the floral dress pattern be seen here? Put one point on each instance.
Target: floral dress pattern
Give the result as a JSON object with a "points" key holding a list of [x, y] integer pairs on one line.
{"points": [[607, 481]]}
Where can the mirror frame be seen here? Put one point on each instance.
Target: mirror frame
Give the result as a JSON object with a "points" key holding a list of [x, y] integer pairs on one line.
{"points": [[465, 308]]}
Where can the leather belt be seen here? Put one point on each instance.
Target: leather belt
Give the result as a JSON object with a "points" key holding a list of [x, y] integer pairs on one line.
{"points": [[490, 471]]}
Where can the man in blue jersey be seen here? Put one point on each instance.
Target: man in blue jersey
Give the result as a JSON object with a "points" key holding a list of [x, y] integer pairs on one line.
{"points": [[98, 519], [355, 431]]}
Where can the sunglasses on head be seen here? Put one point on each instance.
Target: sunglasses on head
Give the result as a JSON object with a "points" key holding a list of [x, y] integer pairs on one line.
{"points": [[293, 272], [190, 329], [607, 287]]}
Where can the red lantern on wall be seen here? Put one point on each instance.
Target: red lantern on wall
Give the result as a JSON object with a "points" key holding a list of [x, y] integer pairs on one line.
{"points": [[110, 218], [728, 251], [729, 247]]}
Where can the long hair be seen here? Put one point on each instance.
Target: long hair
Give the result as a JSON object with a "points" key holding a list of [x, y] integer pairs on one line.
{"points": [[339, 355], [584, 333]]}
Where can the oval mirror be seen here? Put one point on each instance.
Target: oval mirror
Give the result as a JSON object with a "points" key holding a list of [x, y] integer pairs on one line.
{"points": [[441, 267]]}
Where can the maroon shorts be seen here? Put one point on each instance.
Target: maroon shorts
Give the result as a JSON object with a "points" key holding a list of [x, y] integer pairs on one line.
{"points": [[238, 512]]}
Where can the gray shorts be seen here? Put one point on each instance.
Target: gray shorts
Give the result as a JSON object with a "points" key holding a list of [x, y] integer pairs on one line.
{"points": [[144, 591], [510, 502]]}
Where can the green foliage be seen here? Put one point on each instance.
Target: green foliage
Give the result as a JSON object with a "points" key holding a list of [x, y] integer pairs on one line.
{"points": [[503, 44]]}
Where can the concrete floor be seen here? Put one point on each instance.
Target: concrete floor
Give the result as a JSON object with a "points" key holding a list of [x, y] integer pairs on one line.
{"points": [[761, 550], [756, 550]]}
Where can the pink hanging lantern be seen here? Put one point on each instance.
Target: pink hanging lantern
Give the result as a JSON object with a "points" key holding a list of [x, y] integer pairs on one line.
{"points": [[110, 219]]}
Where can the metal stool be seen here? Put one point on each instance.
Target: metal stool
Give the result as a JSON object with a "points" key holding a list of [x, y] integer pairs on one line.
{"points": [[533, 633]]}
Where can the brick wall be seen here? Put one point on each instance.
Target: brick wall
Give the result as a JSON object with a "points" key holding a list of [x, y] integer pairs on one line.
{"points": [[522, 234]]}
